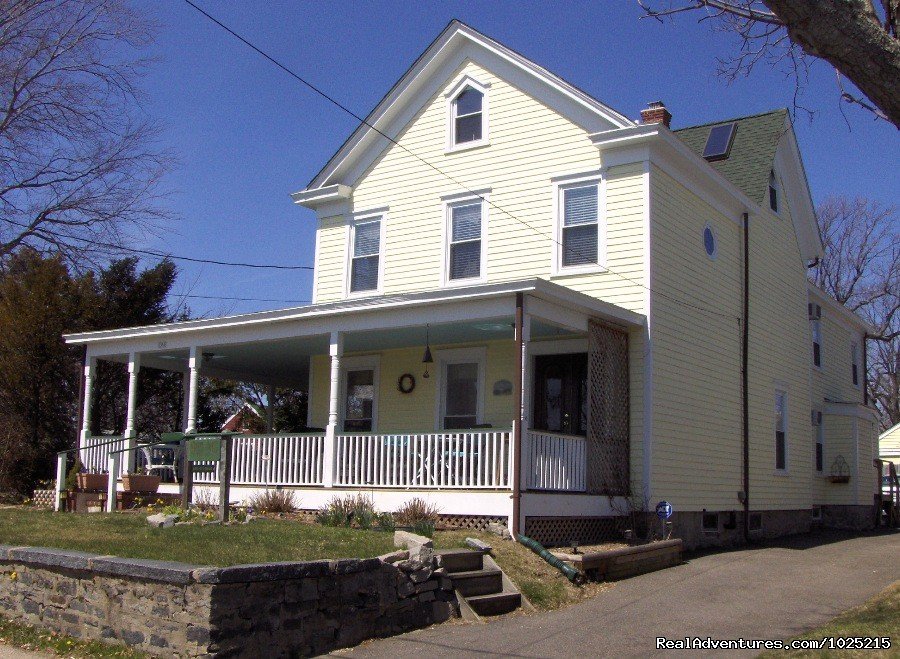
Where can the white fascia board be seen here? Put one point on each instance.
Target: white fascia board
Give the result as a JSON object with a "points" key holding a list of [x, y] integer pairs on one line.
{"points": [[850, 319], [385, 312], [313, 198], [789, 166], [430, 73], [665, 150], [857, 410]]}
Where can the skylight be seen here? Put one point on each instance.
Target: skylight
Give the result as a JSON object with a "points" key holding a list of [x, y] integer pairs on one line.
{"points": [[718, 144]]}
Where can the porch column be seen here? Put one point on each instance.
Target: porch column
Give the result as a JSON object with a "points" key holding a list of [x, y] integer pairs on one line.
{"points": [[134, 367], [185, 398], [336, 351], [270, 409], [193, 387], [516, 463], [90, 368]]}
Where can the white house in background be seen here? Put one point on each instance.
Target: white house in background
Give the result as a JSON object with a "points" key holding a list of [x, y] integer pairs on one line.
{"points": [[528, 307], [889, 445]]}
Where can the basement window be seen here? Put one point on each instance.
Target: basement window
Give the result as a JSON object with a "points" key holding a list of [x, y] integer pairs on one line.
{"points": [[755, 522], [709, 522], [816, 513]]}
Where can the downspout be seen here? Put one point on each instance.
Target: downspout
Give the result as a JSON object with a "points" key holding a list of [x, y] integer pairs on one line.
{"points": [[864, 376], [745, 393], [517, 426]]}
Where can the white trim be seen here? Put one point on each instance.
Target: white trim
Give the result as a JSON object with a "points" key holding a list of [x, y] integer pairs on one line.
{"points": [[647, 375], [447, 207], [315, 285], [309, 394], [359, 363], [367, 217], [444, 357], [560, 185], [451, 95], [323, 195], [857, 410]]}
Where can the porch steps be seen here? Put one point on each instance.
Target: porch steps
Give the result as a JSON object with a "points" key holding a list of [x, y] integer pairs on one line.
{"points": [[480, 584]]}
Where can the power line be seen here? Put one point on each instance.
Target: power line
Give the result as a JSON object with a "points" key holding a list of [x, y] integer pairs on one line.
{"points": [[362, 120], [148, 252]]}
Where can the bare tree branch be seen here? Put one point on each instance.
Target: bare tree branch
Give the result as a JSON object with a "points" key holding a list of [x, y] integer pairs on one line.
{"points": [[77, 160], [859, 40]]}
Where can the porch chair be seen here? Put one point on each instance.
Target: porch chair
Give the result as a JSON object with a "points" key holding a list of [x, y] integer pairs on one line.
{"points": [[164, 458]]}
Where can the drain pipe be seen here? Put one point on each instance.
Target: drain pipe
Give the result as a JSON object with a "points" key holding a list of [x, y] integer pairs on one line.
{"points": [[568, 571], [745, 394]]}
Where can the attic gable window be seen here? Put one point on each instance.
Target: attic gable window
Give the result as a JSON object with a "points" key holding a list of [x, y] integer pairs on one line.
{"points": [[467, 114], [773, 191]]}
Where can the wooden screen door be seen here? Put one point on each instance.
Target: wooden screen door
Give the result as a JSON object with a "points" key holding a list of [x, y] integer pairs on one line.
{"points": [[560, 393]]}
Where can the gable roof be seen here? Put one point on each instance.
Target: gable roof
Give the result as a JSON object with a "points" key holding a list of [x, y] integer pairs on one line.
{"points": [[451, 47], [752, 153], [763, 142]]}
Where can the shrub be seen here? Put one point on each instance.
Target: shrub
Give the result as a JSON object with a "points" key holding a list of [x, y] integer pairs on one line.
{"points": [[206, 499], [344, 511], [274, 501], [417, 510], [385, 522]]}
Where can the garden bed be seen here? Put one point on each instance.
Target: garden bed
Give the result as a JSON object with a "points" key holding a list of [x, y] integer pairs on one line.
{"points": [[612, 564]]}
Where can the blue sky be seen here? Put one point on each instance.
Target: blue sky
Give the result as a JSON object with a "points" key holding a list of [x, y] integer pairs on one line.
{"points": [[247, 135]]}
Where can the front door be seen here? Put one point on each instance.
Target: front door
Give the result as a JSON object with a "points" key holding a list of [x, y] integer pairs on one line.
{"points": [[560, 393]]}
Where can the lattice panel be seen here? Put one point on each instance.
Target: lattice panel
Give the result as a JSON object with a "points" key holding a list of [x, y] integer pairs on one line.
{"points": [[561, 531], [475, 522], [608, 445], [43, 498]]}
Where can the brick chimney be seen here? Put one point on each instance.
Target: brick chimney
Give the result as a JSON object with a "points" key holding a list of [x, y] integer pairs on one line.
{"points": [[656, 113]]}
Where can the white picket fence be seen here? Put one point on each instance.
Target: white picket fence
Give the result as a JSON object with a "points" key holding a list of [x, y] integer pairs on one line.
{"points": [[95, 451], [461, 460], [555, 461], [271, 460]]}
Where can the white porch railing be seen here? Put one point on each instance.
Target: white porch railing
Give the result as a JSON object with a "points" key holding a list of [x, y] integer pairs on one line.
{"points": [[555, 462], [458, 460], [94, 452], [271, 460]]}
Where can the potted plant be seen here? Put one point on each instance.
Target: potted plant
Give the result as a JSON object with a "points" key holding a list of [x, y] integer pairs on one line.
{"points": [[140, 482], [89, 481]]}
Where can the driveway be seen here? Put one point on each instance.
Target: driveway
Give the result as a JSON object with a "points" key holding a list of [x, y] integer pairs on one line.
{"points": [[773, 591]]}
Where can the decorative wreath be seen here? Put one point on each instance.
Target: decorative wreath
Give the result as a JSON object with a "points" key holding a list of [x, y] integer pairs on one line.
{"points": [[406, 383]]}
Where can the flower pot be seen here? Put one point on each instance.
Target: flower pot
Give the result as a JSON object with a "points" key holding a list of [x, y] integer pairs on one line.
{"points": [[93, 481], [839, 479], [140, 483]]}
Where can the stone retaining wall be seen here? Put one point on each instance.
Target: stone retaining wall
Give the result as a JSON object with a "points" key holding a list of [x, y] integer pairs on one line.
{"points": [[174, 609]]}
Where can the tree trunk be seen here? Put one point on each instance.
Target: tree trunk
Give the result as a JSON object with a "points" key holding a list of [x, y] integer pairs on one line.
{"points": [[848, 35]]}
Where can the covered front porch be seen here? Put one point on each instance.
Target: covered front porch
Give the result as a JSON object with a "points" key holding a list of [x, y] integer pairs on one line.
{"points": [[467, 398]]}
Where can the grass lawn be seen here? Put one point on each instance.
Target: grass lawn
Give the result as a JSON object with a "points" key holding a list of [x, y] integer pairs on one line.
{"points": [[880, 616], [27, 637], [129, 535]]}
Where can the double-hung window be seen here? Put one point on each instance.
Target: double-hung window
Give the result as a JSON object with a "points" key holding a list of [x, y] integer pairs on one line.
{"points": [[854, 363], [780, 430], [468, 117], [365, 257], [580, 234], [817, 342], [465, 248]]}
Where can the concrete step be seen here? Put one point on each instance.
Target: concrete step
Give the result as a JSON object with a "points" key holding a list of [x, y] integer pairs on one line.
{"points": [[460, 560], [494, 604], [477, 582]]}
